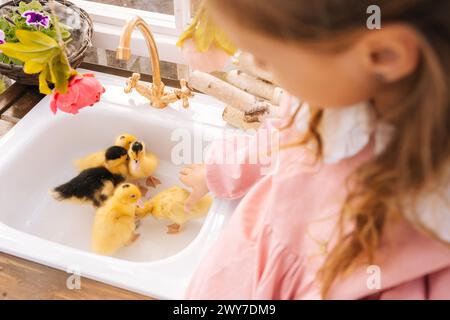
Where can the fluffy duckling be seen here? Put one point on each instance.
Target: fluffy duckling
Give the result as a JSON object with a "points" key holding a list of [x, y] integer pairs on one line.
{"points": [[115, 224], [125, 140], [96, 184], [116, 160], [169, 204], [97, 159], [142, 164], [93, 185]]}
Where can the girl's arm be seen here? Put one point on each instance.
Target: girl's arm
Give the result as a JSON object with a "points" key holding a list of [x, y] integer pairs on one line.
{"points": [[232, 167]]}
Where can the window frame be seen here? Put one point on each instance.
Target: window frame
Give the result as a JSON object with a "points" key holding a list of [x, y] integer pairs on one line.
{"points": [[109, 20]]}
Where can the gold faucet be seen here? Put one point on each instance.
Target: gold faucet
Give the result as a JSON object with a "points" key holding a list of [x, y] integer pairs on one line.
{"points": [[154, 92]]}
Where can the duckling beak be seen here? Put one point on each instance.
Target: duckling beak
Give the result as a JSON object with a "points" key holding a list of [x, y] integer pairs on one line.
{"points": [[140, 203], [135, 164]]}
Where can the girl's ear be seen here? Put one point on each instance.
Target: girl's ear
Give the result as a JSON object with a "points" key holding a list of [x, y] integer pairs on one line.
{"points": [[391, 53]]}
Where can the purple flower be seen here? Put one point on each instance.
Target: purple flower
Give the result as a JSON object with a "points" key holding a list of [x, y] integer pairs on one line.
{"points": [[2, 37], [36, 19]]}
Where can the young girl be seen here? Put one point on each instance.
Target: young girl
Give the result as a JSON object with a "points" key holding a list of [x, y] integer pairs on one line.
{"points": [[358, 205]]}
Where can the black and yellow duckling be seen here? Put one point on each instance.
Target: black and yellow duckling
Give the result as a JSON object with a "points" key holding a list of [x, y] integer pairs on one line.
{"points": [[116, 160], [97, 159], [95, 185]]}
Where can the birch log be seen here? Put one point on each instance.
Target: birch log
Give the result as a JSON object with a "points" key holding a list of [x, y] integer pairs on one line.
{"points": [[230, 94], [252, 85], [238, 119], [246, 63]]}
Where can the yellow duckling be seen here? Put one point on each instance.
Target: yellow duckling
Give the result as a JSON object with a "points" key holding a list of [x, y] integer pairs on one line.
{"points": [[97, 159], [169, 204], [141, 164], [117, 160], [115, 222]]}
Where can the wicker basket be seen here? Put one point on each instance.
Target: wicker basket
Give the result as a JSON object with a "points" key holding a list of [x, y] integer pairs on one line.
{"points": [[75, 57]]}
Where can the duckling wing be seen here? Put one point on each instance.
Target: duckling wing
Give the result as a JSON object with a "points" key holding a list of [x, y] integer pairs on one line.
{"points": [[169, 204], [150, 164], [111, 230], [201, 208], [93, 160], [86, 185]]}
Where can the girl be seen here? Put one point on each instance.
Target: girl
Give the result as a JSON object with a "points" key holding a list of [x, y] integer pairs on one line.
{"points": [[358, 205]]}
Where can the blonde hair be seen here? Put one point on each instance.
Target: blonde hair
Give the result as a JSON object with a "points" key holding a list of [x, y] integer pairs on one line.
{"points": [[419, 150]]}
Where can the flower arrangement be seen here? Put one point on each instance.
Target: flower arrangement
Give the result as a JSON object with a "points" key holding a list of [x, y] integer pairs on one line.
{"points": [[36, 39], [32, 17]]}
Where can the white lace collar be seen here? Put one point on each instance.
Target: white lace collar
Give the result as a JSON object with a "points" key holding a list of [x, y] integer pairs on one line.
{"points": [[432, 209], [346, 131]]}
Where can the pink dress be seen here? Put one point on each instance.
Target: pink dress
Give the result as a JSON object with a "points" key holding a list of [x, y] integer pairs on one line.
{"points": [[278, 236]]}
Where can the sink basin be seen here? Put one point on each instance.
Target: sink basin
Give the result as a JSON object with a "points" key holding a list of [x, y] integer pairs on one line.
{"points": [[37, 155]]}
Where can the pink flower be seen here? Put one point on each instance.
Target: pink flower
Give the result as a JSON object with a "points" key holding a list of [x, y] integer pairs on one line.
{"points": [[84, 90], [214, 59]]}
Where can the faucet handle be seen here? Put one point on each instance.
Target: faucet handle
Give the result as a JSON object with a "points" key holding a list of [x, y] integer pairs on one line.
{"points": [[185, 93], [132, 82]]}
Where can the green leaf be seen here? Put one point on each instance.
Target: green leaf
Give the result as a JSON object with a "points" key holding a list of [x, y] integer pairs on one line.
{"points": [[66, 34], [34, 66], [60, 72], [34, 47], [3, 24], [43, 85], [33, 5], [36, 38], [41, 54]]}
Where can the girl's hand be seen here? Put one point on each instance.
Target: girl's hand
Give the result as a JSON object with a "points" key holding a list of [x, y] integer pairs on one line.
{"points": [[193, 176]]}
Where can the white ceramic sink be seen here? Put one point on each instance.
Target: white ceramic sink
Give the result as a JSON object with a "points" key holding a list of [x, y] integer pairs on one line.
{"points": [[37, 155]]}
